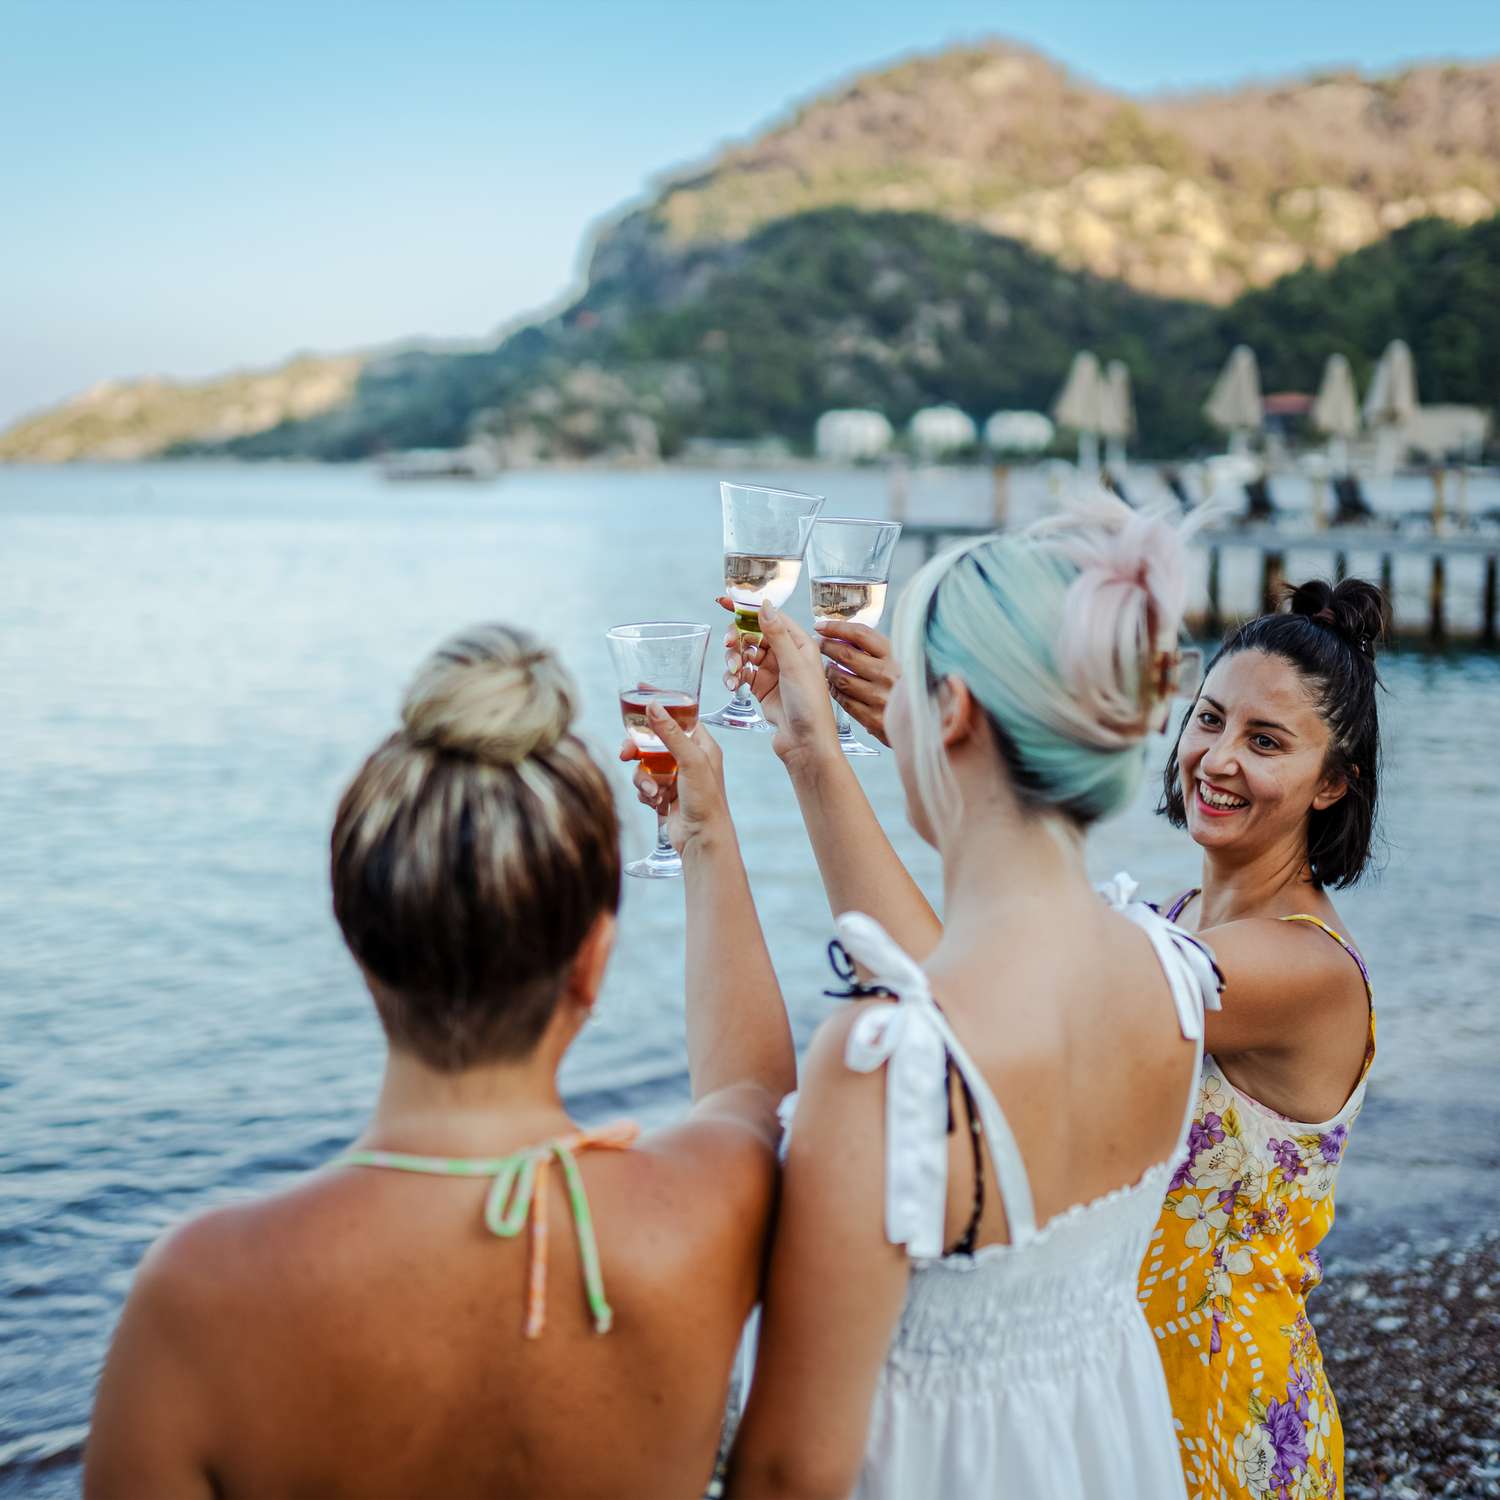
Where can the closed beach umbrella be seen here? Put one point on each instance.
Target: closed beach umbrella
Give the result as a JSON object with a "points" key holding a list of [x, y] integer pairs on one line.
{"points": [[1234, 404], [1390, 403], [1119, 411], [1083, 404], [1392, 396], [1335, 410]]}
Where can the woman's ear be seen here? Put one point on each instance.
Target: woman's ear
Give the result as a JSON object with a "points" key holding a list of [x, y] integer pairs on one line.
{"points": [[1331, 789], [959, 712], [586, 972]]}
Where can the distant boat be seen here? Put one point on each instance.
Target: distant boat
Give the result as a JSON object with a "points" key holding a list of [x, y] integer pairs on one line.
{"points": [[473, 462]]}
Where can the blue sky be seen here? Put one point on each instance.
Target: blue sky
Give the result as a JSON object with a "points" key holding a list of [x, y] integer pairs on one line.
{"points": [[186, 188]]}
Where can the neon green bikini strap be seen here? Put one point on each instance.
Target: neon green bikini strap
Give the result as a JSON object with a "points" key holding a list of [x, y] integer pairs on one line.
{"points": [[518, 1195]]}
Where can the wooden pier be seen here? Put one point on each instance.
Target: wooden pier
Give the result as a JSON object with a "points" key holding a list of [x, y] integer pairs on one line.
{"points": [[1271, 543]]}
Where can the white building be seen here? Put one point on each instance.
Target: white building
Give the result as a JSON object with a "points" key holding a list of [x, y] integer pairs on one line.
{"points": [[1018, 432], [937, 431], [851, 435]]}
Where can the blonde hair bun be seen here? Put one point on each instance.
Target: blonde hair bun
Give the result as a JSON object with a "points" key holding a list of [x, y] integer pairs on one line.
{"points": [[491, 692]]}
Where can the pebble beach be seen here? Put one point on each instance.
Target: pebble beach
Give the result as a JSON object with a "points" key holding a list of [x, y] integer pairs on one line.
{"points": [[1412, 1344]]}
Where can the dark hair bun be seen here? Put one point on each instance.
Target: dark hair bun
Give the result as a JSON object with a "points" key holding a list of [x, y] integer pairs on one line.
{"points": [[1354, 609]]}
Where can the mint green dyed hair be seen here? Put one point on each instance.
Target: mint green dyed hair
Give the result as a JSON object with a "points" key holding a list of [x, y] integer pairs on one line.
{"points": [[1055, 630]]}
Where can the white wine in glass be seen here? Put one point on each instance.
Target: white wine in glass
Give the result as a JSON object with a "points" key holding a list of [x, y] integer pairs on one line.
{"points": [[855, 601], [753, 581], [850, 562], [765, 537]]}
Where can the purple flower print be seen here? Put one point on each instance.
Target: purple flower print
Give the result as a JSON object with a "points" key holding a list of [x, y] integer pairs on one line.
{"points": [[1312, 1272], [1300, 1391], [1208, 1131], [1215, 1343], [1332, 1144], [1288, 1157], [1289, 1438], [1228, 1195]]}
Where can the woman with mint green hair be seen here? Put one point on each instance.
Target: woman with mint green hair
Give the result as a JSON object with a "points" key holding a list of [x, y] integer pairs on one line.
{"points": [[983, 1136]]}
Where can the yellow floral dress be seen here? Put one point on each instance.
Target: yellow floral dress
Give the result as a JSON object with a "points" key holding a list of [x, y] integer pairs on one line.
{"points": [[1225, 1282]]}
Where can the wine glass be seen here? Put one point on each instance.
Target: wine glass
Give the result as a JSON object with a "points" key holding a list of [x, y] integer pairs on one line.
{"points": [[851, 568], [765, 536], [658, 663]]}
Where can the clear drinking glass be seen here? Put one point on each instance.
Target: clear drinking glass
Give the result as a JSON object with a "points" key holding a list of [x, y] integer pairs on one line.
{"points": [[765, 536], [850, 563], [658, 663]]}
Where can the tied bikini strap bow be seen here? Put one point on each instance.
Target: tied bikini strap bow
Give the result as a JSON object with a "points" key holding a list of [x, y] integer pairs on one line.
{"points": [[906, 1036], [1188, 963]]}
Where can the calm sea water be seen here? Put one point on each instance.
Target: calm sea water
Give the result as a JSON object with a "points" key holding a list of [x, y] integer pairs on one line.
{"points": [[192, 662]]}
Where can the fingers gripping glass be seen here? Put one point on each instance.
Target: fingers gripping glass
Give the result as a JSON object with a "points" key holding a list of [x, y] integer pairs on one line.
{"points": [[849, 562], [658, 663], [765, 537]]}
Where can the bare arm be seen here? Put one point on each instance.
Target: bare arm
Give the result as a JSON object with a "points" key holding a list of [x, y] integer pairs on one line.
{"points": [[834, 1296], [738, 1035], [1285, 984], [861, 870], [144, 1438]]}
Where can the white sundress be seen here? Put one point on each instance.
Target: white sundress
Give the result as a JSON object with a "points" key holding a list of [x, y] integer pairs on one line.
{"points": [[1024, 1370]]}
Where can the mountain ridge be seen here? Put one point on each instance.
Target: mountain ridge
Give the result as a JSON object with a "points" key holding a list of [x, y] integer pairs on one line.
{"points": [[1180, 201], [1205, 194]]}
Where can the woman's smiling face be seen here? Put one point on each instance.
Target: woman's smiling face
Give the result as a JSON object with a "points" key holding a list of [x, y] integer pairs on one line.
{"points": [[1253, 754]]}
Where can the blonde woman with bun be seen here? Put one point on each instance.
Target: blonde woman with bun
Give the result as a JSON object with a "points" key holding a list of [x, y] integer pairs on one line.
{"points": [[983, 1136], [480, 1297]]}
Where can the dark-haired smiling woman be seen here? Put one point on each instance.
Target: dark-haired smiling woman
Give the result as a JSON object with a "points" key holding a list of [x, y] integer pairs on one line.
{"points": [[1274, 776]]}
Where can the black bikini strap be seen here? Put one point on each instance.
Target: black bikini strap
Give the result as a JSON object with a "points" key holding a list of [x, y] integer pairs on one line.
{"points": [[965, 1242]]}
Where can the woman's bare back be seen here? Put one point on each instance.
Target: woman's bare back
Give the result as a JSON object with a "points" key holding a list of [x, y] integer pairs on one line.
{"points": [[362, 1335], [1077, 1035]]}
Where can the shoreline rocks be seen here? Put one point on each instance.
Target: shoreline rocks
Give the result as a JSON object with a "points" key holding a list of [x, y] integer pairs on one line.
{"points": [[1411, 1340]]}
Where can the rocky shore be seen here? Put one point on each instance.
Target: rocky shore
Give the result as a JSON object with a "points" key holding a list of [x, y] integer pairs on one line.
{"points": [[1412, 1345]]}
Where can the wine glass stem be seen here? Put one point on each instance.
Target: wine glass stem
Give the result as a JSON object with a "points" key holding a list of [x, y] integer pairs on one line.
{"points": [[841, 719], [663, 843]]}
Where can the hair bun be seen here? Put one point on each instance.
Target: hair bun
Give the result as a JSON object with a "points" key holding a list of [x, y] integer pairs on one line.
{"points": [[492, 692], [1122, 611], [1354, 609]]}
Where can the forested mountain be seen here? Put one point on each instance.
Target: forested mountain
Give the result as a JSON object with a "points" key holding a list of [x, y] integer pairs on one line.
{"points": [[953, 228]]}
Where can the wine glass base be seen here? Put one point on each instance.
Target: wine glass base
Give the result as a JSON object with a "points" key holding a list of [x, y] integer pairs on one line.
{"points": [[731, 717], [656, 866], [851, 746]]}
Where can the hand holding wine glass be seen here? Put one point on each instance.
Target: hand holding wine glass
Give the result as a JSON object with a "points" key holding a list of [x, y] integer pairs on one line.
{"points": [[785, 672], [692, 800], [766, 532], [659, 672], [863, 672], [851, 560]]}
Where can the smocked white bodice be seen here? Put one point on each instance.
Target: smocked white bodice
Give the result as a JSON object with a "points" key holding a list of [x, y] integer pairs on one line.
{"points": [[1026, 1369]]}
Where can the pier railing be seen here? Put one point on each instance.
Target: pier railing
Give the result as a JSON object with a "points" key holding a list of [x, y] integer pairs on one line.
{"points": [[1388, 540]]}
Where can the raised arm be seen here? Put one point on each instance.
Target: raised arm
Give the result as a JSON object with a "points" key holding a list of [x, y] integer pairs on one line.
{"points": [[834, 1294], [861, 870], [737, 1029]]}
